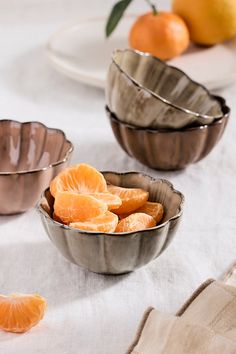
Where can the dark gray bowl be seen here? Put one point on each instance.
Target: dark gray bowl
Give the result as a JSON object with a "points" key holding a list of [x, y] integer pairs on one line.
{"points": [[117, 253]]}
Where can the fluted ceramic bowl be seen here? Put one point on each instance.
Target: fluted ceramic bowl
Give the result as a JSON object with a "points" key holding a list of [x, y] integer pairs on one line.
{"points": [[31, 155], [144, 91], [117, 253], [169, 149]]}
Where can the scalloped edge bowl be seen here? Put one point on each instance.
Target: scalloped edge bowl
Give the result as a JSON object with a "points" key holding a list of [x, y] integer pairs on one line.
{"points": [[117, 253], [145, 91], [31, 155], [169, 149]]}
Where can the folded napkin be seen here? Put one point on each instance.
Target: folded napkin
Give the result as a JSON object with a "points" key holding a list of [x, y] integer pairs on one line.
{"points": [[205, 324], [167, 334], [229, 277]]}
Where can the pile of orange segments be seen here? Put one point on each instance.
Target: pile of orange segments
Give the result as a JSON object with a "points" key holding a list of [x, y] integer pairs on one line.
{"points": [[84, 201]]}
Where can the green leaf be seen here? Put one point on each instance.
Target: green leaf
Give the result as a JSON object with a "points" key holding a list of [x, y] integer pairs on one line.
{"points": [[115, 15]]}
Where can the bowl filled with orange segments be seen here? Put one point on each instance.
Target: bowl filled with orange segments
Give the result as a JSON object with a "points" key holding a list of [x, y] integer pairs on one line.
{"points": [[110, 222]]}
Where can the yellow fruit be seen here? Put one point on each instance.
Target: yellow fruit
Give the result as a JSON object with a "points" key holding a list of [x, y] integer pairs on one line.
{"points": [[209, 21]]}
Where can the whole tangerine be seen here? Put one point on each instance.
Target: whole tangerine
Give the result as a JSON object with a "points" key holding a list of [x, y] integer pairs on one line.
{"points": [[164, 35]]}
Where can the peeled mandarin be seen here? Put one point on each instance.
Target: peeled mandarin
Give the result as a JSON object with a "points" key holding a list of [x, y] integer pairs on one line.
{"points": [[132, 198], [81, 178], [72, 207], [20, 312], [103, 223], [156, 210], [112, 200], [136, 222]]}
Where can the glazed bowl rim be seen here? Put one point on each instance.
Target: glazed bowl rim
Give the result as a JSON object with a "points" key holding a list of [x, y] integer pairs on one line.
{"points": [[123, 234], [59, 162], [155, 95], [112, 116]]}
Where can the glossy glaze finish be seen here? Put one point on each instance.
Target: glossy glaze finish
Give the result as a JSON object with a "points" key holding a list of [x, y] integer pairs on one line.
{"points": [[31, 155], [169, 150], [117, 253], [145, 91]]}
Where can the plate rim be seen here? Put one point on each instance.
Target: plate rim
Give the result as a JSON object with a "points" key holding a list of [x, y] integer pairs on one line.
{"points": [[78, 75]]}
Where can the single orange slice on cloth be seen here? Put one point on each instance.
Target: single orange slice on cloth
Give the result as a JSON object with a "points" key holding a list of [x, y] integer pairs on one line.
{"points": [[72, 207], [20, 312], [103, 223], [156, 210], [132, 198], [112, 200], [80, 178], [136, 222]]}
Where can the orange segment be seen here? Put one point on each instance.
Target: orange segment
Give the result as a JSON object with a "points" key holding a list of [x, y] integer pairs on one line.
{"points": [[56, 218], [136, 222], [156, 210], [20, 312], [132, 198], [103, 223], [71, 207], [112, 200], [80, 178]]}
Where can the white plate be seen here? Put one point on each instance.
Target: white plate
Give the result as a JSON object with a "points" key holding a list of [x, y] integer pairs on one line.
{"points": [[81, 52]]}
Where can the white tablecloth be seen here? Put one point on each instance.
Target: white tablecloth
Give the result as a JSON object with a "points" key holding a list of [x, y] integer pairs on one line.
{"points": [[89, 313]]}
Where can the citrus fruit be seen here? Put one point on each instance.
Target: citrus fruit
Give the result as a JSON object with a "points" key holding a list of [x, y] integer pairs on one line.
{"points": [[70, 207], [164, 35], [56, 218], [132, 198], [136, 222], [20, 312], [104, 223], [156, 210], [112, 200], [209, 21], [80, 178]]}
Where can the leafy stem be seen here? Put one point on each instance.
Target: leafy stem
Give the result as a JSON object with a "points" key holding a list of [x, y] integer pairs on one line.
{"points": [[118, 11], [154, 9]]}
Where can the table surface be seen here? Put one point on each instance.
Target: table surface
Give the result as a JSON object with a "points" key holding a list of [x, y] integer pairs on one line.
{"points": [[89, 313]]}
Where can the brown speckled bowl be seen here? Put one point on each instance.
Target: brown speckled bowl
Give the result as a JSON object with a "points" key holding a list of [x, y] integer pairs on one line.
{"points": [[169, 149], [146, 91], [117, 253], [31, 155]]}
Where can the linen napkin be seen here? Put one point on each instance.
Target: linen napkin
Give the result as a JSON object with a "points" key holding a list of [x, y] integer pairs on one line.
{"points": [[167, 334], [205, 324]]}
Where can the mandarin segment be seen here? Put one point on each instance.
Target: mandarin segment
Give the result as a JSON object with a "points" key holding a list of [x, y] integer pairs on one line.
{"points": [[20, 312], [132, 198], [103, 223], [156, 210], [72, 207], [136, 222], [81, 178], [112, 200]]}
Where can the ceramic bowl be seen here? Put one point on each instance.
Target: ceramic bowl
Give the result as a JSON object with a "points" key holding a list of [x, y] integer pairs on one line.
{"points": [[117, 253], [169, 149], [144, 91], [31, 155]]}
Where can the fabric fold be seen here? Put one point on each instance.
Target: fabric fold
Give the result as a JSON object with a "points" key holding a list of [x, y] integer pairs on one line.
{"points": [[206, 323]]}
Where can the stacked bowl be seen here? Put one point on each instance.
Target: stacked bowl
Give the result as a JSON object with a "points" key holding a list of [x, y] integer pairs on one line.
{"points": [[158, 114]]}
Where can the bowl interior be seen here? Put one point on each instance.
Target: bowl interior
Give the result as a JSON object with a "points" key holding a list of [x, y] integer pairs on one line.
{"points": [[167, 82], [30, 146], [159, 191]]}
